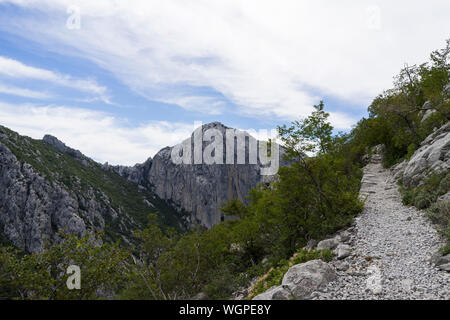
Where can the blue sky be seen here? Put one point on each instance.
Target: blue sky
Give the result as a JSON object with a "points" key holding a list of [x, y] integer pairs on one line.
{"points": [[120, 80]]}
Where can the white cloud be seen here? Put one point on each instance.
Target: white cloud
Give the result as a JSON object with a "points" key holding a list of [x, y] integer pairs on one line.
{"points": [[96, 134], [23, 92], [208, 105], [340, 120], [265, 56], [16, 69]]}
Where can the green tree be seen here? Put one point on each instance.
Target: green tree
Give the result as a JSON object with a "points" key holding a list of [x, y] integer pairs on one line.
{"points": [[43, 275]]}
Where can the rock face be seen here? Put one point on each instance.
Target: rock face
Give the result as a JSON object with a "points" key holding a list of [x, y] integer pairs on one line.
{"points": [[200, 188], [301, 281], [432, 156], [137, 174], [47, 187], [32, 208]]}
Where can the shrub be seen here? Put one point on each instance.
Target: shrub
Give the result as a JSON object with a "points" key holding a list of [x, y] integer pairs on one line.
{"points": [[423, 200], [439, 213]]}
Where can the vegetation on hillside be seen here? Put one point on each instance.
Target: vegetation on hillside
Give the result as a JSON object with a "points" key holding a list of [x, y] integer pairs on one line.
{"points": [[426, 195], [395, 116], [81, 178]]}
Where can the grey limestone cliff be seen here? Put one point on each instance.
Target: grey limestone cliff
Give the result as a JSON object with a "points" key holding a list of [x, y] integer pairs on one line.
{"points": [[201, 189]]}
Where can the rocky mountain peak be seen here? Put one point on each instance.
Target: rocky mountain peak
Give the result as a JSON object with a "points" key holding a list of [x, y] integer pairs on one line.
{"points": [[61, 146]]}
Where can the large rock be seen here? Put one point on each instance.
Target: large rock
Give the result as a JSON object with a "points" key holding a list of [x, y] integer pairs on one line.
{"points": [[139, 173], [343, 251], [300, 281], [32, 208], [432, 156], [201, 189], [275, 293], [61, 146], [329, 244], [303, 279]]}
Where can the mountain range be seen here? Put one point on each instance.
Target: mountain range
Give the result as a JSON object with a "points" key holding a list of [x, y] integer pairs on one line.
{"points": [[47, 187]]}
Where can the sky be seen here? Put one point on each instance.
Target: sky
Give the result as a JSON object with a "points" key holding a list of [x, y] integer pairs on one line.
{"points": [[119, 80]]}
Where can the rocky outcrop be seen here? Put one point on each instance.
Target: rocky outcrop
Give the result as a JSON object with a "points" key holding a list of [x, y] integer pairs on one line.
{"points": [[200, 188], [32, 209], [138, 174], [300, 281], [61, 146], [432, 156]]}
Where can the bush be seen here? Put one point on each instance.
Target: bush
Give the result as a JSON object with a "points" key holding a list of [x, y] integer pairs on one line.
{"points": [[423, 200], [424, 196], [439, 213]]}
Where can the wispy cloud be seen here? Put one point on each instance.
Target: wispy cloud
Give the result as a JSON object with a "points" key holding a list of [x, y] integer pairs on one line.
{"points": [[16, 69], [207, 105], [22, 92]]}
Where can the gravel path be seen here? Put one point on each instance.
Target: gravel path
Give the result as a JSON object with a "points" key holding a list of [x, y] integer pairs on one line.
{"points": [[392, 245]]}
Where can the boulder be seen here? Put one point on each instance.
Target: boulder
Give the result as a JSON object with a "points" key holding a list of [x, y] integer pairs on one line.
{"points": [[329, 244], [342, 251], [303, 279], [345, 236], [275, 293], [432, 156]]}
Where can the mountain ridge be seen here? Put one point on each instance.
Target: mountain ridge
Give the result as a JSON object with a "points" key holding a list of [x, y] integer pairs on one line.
{"points": [[44, 190]]}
